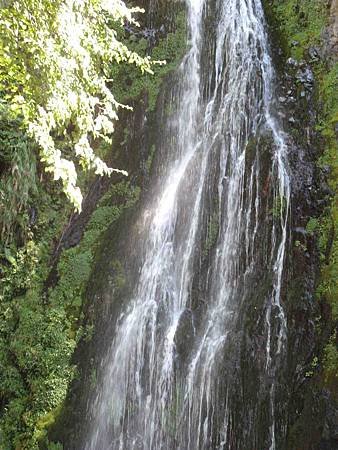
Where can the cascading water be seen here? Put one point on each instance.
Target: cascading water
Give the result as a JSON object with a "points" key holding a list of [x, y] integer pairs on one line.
{"points": [[153, 395]]}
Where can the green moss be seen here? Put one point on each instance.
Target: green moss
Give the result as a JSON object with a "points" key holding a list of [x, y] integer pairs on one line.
{"points": [[278, 207], [328, 93], [312, 225], [54, 446], [39, 330], [150, 158], [327, 288], [93, 377], [129, 85], [38, 355], [328, 234], [119, 277], [45, 422], [331, 360], [300, 23]]}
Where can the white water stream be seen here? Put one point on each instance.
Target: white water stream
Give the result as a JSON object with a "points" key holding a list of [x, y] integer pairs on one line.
{"points": [[149, 399]]}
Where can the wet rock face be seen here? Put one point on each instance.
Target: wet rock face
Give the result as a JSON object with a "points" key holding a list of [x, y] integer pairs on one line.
{"points": [[305, 76], [159, 15], [297, 99], [307, 422], [185, 334], [330, 428], [312, 411], [150, 34]]}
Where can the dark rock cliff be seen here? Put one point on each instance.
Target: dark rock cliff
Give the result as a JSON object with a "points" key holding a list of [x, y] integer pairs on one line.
{"points": [[312, 405]]}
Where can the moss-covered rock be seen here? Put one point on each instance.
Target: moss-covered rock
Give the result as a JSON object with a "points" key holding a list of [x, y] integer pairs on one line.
{"points": [[304, 31]]}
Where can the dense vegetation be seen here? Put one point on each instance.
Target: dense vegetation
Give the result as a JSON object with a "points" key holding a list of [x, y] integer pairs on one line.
{"points": [[55, 62], [300, 26], [40, 324]]}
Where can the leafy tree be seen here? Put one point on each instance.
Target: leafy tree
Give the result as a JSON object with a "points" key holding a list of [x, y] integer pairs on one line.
{"points": [[55, 58]]}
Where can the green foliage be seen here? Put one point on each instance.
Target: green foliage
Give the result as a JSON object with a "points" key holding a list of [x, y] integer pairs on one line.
{"points": [[313, 367], [329, 94], [312, 225], [54, 446], [331, 360], [301, 246], [39, 330], [55, 58], [18, 269], [34, 343], [170, 48], [301, 23], [17, 178], [76, 263], [36, 349]]}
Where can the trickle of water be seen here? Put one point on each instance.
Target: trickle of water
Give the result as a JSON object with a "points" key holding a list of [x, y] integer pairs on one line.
{"points": [[151, 397]]}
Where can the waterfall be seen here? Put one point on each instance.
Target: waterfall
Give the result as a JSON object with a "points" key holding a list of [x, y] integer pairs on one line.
{"points": [[167, 375]]}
